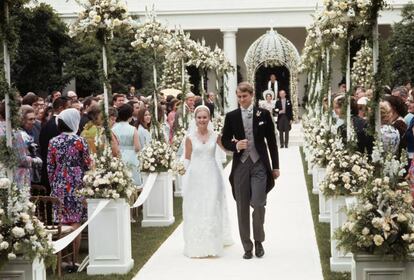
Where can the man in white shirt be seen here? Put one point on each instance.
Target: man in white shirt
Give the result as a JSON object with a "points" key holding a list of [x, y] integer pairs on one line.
{"points": [[273, 84]]}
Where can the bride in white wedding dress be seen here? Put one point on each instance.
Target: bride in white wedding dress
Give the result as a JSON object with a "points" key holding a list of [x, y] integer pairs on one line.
{"points": [[206, 222]]}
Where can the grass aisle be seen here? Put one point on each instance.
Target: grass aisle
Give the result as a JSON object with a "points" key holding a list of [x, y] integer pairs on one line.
{"points": [[145, 241], [322, 231]]}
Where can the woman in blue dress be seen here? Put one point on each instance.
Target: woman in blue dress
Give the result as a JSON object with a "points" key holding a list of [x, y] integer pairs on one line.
{"points": [[128, 141]]}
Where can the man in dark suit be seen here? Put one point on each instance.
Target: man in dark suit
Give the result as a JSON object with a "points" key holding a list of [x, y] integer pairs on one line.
{"points": [[48, 131], [284, 112], [210, 103], [252, 175]]}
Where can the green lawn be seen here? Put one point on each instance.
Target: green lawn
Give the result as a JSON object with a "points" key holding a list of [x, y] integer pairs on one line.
{"points": [[322, 231], [145, 241]]}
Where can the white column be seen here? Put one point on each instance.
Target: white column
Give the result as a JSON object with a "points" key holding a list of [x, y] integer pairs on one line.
{"points": [[230, 49]]}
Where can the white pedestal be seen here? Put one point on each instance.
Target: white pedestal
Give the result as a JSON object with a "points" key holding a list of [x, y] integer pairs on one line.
{"points": [[178, 184], [318, 175], [324, 209], [20, 269], [310, 166], [340, 262], [110, 238], [369, 267], [158, 210]]}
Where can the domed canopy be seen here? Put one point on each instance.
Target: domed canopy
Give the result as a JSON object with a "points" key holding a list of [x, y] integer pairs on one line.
{"points": [[271, 49]]}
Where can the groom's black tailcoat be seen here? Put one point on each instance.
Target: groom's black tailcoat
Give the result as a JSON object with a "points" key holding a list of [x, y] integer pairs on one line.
{"points": [[263, 128]]}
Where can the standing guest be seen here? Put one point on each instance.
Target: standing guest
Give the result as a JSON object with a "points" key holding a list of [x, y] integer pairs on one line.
{"points": [[55, 95], [21, 175], [39, 106], [87, 104], [144, 124], [93, 130], [400, 92], [127, 136], [112, 116], [48, 131], [30, 98], [72, 95], [273, 84], [175, 103], [398, 110], [118, 100], [188, 108], [29, 123], [211, 96], [131, 92], [136, 106], [342, 87], [76, 104], [284, 118], [67, 160], [410, 109], [390, 137], [268, 103]]}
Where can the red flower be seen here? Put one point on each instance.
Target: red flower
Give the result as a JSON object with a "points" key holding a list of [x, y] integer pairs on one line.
{"points": [[68, 187], [78, 145]]}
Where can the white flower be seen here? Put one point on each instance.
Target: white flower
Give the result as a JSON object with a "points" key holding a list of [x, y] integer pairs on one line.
{"points": [[11, 256], [4, 245], [18, 232], [365, 231], [5, 183], [25, 217], [378, 240], [401, 218]]}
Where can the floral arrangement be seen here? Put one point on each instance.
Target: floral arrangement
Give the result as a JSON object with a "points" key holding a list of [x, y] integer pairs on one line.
{"points": [[362, 70], [178, 167], [321, 139], [156, 157], [385, 163], [21, 233], [172, 76], [109, 178], [382, 222], [179, 135], [152, 35], [101, 17], [347, 173]]}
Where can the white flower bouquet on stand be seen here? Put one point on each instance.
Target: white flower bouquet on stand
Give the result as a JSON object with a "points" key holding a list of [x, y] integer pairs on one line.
{"points": [[156, 157], [108, 179], [22, 235]]}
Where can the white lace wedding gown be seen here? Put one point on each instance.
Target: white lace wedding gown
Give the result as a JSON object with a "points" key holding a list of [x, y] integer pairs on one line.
{"points": [[206, 221]]}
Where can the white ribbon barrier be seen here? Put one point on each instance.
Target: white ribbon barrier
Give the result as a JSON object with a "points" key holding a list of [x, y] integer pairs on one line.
{"points": [[146, 190], [62, 243]]}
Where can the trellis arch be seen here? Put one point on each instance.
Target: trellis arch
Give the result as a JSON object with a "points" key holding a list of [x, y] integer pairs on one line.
{"points": [[272, 49]]}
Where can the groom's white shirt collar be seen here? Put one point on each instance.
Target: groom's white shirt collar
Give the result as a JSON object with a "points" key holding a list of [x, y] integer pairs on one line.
{"points": [[250, 108]]}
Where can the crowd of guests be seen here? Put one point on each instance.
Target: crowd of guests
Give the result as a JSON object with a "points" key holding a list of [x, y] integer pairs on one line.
{"points": [[396, 121], [57, 136]]}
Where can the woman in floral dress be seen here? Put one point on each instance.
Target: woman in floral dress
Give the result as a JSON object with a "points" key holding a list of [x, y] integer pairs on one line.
{"points": [[67, 160]]}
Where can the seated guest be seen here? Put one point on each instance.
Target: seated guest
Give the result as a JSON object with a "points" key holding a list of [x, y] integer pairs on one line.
{"points": [[67, 160]]}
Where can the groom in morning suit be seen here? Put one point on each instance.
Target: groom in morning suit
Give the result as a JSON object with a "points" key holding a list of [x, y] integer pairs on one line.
{"points": [[252, 174]]}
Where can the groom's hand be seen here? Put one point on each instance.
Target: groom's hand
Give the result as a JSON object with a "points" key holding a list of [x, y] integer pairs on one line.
{"points": [[275, 173], [241, 145]]}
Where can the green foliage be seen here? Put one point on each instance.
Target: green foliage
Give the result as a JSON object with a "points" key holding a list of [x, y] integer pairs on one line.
{"points": [[402, 47], [7, 154]]}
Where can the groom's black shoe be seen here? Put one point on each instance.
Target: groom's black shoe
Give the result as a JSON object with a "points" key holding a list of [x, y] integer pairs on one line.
{"points": [[247, 255], [258, 249]]}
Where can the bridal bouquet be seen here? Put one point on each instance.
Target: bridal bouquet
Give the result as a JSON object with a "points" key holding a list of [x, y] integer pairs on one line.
{"points": [[101, 16], [21, 233], [109, 178], [347, 173], [156, 157], [178, 167], [382, 222]]}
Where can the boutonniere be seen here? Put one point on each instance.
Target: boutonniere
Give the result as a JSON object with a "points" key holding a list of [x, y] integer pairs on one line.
{"points": [[258, 113], [261, 123]]}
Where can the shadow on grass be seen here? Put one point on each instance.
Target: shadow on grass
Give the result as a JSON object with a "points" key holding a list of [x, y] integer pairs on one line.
{"points": [[322, 230]]}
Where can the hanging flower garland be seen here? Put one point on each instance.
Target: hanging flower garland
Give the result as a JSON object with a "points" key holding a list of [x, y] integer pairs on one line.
{"points": [[363, 69]]}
